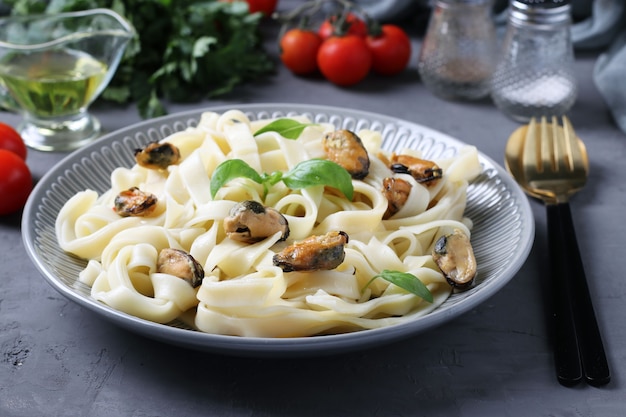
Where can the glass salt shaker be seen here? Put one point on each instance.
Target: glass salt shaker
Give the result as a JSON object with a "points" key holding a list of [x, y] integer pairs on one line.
{"points": [[535, 75], [458, 54]]}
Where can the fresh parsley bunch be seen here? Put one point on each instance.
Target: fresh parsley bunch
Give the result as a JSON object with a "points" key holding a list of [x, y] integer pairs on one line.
{"points": [[186, 50]]}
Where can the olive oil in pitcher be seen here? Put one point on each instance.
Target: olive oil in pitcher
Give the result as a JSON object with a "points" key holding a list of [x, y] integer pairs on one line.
{"points": [[53, 83]]}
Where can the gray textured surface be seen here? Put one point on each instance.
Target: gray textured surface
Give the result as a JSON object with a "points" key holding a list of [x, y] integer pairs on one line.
{"points": [[57, 359]]}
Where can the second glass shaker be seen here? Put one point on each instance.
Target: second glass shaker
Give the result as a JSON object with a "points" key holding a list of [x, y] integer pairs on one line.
{"points": [[535, 75], [458, 53]]}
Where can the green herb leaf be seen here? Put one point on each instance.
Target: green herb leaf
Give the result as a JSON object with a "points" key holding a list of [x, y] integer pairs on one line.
{"points": [[319, 172], [305, 174], [229, 170], [288, 128], [405, 281], [273, 178]]}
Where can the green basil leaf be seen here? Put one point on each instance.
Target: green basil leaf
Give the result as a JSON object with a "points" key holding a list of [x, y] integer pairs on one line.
{"points": [[273, 178], [405, 281], [319, 172], [229, 170], [288, 128]]}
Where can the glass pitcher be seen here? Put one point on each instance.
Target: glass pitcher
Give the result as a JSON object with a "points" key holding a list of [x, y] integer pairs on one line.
{"points": [[52, 67]]}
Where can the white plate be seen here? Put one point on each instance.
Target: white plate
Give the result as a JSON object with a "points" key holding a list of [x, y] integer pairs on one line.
{"points": [[502, 236]]}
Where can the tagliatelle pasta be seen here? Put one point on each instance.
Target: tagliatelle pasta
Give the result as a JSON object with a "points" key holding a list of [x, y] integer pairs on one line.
{"points": [[243, 293]]}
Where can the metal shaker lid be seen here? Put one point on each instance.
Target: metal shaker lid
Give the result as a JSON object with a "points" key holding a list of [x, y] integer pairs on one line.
{"points": [[544, 3], [540, 12]]}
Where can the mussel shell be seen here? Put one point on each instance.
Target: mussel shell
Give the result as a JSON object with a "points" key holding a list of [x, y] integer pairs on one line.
{"points": [[134, 202], [313, 253], [157, 155], [249, 221]]}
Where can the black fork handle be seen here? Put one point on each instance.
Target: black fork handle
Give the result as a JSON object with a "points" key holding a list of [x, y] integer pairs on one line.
{"points": [[576, 331], [566, 352]]}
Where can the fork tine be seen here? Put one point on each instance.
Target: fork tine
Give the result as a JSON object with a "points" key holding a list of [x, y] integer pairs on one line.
{"points": [[547, 147], [574, 154], [562, 156]]}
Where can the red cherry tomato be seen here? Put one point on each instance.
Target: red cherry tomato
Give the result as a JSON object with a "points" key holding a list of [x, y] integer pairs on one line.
{"points": [[266, 7], [391, 50], [298, 50], [344, 60], [352, 25], [12, 141], [16, 182]]}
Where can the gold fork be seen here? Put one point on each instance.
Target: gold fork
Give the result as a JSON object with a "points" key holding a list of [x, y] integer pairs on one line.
{"points": [[555, 166], [555, 161]]}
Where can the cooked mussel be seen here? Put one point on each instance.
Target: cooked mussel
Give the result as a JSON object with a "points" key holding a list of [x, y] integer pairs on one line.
{"points": [[157, 155], [313, 253], [249, 221], [424, 171], [134, 202], [396, 191], [180, 264], [345, 148], [454, 256]]}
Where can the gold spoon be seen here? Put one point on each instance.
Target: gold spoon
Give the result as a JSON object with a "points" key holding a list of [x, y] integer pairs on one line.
{"points": [[578, 343]]}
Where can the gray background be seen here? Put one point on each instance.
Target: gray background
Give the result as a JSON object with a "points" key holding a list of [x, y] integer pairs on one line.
{"points": [[58, 359]]}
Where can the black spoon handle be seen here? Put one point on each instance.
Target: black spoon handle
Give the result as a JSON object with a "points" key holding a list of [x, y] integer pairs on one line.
{"points": [[566, 353], [595, 365]]}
